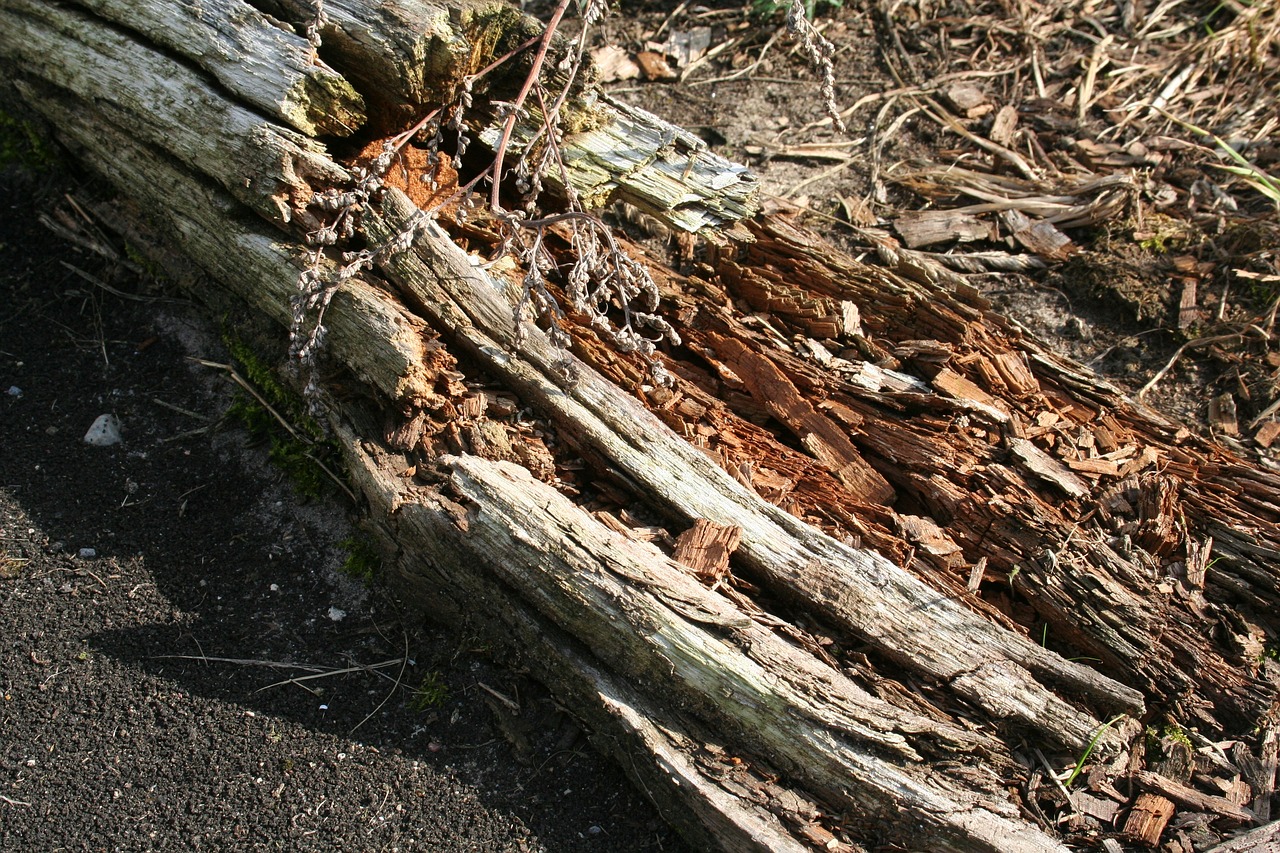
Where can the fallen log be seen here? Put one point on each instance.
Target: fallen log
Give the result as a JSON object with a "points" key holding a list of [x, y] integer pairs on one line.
{"points": [[802, 431]]}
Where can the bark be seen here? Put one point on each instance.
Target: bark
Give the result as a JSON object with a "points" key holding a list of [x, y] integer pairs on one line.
{"points": [[890, 461]]}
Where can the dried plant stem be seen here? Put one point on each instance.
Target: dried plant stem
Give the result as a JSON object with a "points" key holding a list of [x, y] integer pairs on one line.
{"points": [[510, 123]]}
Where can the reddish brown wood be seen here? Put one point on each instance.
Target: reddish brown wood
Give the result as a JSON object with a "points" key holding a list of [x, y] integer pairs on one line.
{"points": [[1148, 818], [706, 548]]}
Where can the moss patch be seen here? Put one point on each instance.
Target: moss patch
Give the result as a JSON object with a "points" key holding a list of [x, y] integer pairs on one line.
{"points": [[301, 455], [363, 560], [21, 145]]}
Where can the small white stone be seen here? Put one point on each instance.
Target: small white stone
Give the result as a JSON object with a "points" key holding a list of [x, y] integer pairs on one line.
{"points": [[104, 432], [337, 614], [88, 553], [15, 391]]}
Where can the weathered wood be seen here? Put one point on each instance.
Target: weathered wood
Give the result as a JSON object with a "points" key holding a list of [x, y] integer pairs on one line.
{"points": [[1147, 819], [410, 56], [787, 449], [1113, 610], [1179, 793], [1261, 840], [592, 582], [263, 64], [706, 548], [869, 595], [387, 346]]}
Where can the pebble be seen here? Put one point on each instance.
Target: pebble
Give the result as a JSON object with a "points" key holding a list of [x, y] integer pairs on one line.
{"points": [[15, 391], [104, 432], [88, 553], [337, 614]]}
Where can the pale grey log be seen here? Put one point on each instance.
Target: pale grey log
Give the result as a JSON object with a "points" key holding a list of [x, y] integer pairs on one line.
{"points": [[666, 171], [648, 619], [371, 332], [402, 55], [263, 64], [372, 335], [904, 618], [264, 165], [413, 53], [437, 567]]}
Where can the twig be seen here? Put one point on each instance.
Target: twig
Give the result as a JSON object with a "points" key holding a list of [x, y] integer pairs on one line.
{"points": [[404, 662], [667, 22], [97, 282], [821, 176], [271, 664], [171, 407], [373, 667], [741, 72], [1056, 781], [513, 116], [243, 383], [513, 705], [1199, 342], [14, 802], [945, 118]]}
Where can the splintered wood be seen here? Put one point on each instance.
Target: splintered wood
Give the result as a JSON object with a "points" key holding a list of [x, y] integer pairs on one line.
{"points": [[871, 534]]}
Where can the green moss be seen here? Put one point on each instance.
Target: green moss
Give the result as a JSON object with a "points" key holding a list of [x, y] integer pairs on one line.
{"points": [[144, 262], [1173, 732], [430, 693], [299, 454], [21, 145], [768, 8], [363, 559], [1161, 234], [10, 566]]}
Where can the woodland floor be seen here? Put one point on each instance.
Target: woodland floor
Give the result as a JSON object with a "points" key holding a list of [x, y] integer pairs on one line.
{"points": [[120, 727]]}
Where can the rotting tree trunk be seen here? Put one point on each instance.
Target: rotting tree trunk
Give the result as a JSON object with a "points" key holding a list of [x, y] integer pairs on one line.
{"points": [[852, 392]]}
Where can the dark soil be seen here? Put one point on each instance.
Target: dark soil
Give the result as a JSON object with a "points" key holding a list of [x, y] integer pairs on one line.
{"points": [[158, 596]]}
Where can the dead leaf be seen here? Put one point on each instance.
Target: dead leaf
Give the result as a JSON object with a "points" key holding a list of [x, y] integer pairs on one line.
{"points": [[614, 64], [654, 67]]}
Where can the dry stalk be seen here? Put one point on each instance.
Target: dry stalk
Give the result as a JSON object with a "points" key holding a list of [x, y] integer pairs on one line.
{"points": [[819, 51]]}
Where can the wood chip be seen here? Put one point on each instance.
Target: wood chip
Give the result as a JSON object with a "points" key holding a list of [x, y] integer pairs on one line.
{"points": [[958, 387], [964, 97], [927, 227], [1003, 125], [828, 443], [1188, 313], [655, 68], [1159, 511], [1038, 236], [1191, 798], [1149, 456], [1198, 561], [1094, 467], [1266, 434], [706, 548], [927, 535], [1222, 414], [1095, 807], [1148, 818], [1047, 468], [976, 574]]}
